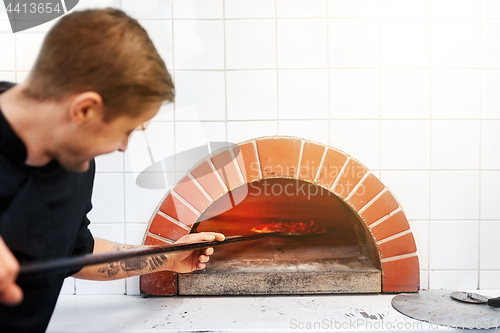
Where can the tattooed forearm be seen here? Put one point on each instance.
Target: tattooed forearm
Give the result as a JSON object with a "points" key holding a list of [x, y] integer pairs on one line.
{"points": [[133, 264], [111, 269], [130, 267]]}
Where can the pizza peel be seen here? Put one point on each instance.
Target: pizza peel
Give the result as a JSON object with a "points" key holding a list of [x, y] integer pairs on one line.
{"points": [[77, 262], [439, 307]]}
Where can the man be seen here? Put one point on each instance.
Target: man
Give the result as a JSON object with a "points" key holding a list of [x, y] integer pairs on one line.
{"points": [[96, 79]]}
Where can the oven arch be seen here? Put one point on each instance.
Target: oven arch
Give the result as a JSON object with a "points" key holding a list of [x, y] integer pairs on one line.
{"points": [[292, 158]]}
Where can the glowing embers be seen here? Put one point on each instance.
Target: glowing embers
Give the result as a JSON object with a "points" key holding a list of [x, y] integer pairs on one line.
{"points": [[293, 227]]}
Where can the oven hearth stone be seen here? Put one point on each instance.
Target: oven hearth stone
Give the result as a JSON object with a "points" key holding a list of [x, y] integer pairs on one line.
{"points": [[278, 267]]}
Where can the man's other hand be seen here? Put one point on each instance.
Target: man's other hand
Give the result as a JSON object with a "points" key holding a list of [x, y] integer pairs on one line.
{"points": [[10, 292], [185, 262]]}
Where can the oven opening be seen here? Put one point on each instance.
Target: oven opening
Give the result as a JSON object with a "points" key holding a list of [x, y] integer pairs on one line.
{"points": [[337, 254]]}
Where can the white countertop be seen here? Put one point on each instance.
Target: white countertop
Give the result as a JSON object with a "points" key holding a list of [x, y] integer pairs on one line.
{"points": [[361, 312]]}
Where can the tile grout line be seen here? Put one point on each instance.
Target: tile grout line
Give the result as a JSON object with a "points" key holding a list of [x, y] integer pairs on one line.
{"points": [[160, 238], [390, 238], [200, 187], [379, 90], [403, 256], [301, 154], [321, 164], [225, 68], [385, 217], [337, 179], [480, 153], [277, 71], [317, 18], [171, 219], [430, 151], [375, 198], [238, 169], [318, 68], [184, 201], [358, 185], [124, 198], [172, 29], [328, 77], [218, 176], [254, 142]]}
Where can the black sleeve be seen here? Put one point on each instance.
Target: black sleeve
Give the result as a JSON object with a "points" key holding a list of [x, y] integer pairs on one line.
{"points": [[85, 241]]}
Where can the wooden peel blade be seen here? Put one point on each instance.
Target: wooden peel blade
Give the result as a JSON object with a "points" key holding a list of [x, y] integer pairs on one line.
{"points": [[100, 258]]}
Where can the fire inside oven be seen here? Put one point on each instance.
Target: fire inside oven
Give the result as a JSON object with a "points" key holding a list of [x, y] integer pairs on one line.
{"points": [[336, 255]]}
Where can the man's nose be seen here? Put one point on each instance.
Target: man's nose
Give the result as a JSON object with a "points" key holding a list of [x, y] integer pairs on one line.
{"points": [[123, 145]]}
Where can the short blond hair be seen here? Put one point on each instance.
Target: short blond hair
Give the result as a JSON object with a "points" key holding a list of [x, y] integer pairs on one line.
{"points": [[104, 51]]}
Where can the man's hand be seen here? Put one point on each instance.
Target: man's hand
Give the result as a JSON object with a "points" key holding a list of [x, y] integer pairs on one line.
{"points": [[10, 292], [185, 262]]}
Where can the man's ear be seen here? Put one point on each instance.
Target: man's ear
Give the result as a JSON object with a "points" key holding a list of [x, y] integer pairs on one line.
{"points": [[85, 107]]}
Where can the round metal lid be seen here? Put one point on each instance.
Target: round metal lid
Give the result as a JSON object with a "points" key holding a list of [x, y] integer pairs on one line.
{"points": [[437, 307]]}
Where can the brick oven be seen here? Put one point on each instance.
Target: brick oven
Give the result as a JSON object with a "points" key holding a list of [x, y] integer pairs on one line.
{"points": [[360, 240]]}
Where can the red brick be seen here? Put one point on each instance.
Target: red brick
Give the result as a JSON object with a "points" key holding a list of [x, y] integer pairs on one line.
{"points": [[401, 275], [279, 157], [350, 177], [393, 225], [165, 228], [311, 160], [188, 190], [398, 246], [226, 167], [247, 161], [206, 177], [380, 208], [176, 209], [333, 163], [368, 190]]}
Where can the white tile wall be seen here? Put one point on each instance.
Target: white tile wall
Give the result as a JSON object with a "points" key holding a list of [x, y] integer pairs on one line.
{"points": [[446, 135], [455, 8], [355, 94], [454, 43], [488, 246], [408, 87], [404, 144], [198, 44], [490, 149], [490, 9], [300, 8], [490, 192], [303, 94], [296, 48], [490, 99], [453, 279], [251, 95], [415, 203], [405, 93], [404, 43], [354, 43], [316, 130], [454, 195], [344, 136], [197, 9], [461, 240], [455, 94], [404, 8], [250, 44], [249, 8], [353, 8], [8, 57]]}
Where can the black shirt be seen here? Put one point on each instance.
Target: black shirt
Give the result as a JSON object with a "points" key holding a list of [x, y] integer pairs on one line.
{"points": [[42, 215]]}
